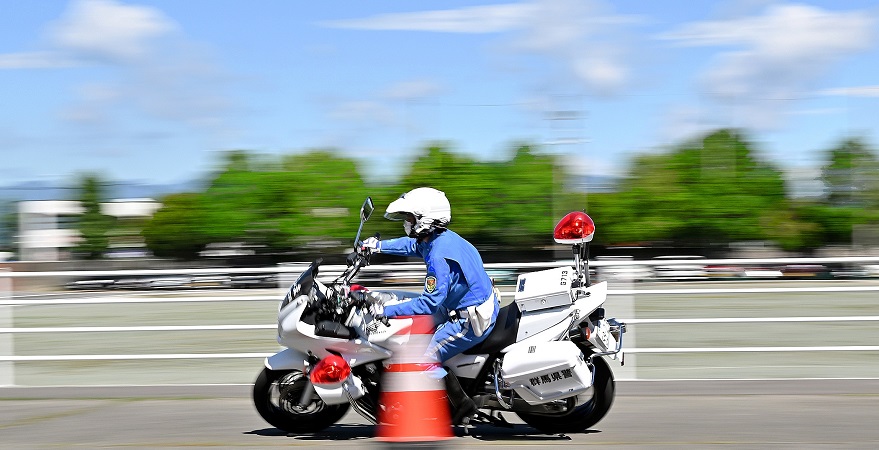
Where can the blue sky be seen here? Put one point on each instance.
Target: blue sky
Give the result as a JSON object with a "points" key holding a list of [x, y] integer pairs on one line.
{"points": [[151, 91]]}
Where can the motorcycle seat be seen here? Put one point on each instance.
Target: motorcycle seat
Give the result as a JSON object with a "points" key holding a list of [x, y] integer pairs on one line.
{"points": [[503, 334]]}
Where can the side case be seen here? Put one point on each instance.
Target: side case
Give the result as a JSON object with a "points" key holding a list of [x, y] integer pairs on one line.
{"points": [[546, 371]]}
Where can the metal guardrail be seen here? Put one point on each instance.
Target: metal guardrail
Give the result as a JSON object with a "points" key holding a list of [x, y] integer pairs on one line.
{"points": [[6, 300], [327, 269]]}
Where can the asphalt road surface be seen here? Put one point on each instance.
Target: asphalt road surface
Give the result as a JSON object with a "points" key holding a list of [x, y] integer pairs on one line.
{"points": [[795, 414]]}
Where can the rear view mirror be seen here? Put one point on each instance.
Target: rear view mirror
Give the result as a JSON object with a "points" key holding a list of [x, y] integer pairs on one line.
{"points": [[367, 209]]}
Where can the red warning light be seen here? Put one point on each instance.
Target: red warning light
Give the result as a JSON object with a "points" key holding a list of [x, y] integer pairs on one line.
{"points": [[330, 370], [575, 228]]}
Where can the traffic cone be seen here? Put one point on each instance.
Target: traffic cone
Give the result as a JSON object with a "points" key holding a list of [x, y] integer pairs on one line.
{"points": [[413, 403]]}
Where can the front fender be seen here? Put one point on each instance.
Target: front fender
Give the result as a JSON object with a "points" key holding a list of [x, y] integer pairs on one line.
{"points": [[287, 359]]}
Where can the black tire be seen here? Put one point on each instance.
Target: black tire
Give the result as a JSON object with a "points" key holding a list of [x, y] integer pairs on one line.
{"points": [[276, 392], [584, 416]]}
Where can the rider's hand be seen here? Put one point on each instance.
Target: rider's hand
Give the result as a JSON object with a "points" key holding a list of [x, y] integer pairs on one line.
{"points": [[373, 244]]}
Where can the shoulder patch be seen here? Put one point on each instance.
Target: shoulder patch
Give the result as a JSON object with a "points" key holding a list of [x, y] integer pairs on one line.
{"points": [[430, 284]]}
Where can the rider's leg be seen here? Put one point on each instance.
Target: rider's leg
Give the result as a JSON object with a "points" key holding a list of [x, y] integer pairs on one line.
{"points": [[450, 339], [461, 404]]}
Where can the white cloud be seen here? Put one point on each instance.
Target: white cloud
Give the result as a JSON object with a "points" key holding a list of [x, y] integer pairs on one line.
{"points": [[583, 34], [774, 57], [790, 32], [95, 31], [91, 31], [586, 36], [858, 91], [153, 70], [818, 111], [109, 31], [35, 60], [475, 19]]}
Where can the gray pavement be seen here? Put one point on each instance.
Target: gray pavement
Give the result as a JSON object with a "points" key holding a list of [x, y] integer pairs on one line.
{"points": [[791, 407], [803, 414]]}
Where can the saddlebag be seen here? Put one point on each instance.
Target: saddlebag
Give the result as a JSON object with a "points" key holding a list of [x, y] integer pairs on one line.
{"points": [[546, 371]]}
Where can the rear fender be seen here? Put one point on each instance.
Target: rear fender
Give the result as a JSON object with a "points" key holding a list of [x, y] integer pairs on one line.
{"points": [[590, 298]]}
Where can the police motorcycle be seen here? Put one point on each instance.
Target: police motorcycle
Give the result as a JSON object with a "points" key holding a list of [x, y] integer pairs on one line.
{"points": [[545, 359]]}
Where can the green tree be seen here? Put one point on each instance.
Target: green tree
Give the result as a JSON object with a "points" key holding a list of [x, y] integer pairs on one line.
{"points": [[711, 191], [8, 225], [273, 205], [93, 225], [851, 175], [851, 180], [324, 193], [179, 229], [494, 204]]}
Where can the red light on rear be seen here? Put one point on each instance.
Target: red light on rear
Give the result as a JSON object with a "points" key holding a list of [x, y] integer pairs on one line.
{"points": [[330, 370], [575, 228]]}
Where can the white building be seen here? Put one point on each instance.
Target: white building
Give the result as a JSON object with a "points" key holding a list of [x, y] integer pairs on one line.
{"points": [[46, 231]]}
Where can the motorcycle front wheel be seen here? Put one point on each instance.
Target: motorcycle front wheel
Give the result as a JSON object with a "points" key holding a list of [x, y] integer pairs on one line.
{"points": [[276, 396], [583, 416]]}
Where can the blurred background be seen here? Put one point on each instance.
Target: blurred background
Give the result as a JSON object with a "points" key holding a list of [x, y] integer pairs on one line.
{"points": [[219, 134], [227, 133]]}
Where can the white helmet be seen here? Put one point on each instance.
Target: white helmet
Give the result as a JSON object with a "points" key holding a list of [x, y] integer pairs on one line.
{"points": [[430, 207]]}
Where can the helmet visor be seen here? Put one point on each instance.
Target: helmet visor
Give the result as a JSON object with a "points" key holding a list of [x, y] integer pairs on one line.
{"points": [[399, 209], [395, 215]]}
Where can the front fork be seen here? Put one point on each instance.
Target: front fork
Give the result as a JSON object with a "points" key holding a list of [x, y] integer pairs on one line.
{"points": [[308, 393]]}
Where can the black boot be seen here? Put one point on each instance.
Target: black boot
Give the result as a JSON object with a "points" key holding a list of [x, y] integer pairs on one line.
{"points": [[461, 404]]}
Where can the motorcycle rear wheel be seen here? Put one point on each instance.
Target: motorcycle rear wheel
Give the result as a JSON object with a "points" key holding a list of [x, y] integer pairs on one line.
{"points": [[276, 395], [584, 416]]}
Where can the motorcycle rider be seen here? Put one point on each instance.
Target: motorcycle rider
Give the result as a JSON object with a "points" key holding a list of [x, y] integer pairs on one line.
{"points": [[456, 288]]}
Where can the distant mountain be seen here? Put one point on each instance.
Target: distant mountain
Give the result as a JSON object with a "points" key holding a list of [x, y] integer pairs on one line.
{"points": [[40, 190], [154, 191]]}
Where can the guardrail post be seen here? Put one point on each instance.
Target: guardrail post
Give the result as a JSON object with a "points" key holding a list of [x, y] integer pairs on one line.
{"points": [[622, 307], [7, 368]]}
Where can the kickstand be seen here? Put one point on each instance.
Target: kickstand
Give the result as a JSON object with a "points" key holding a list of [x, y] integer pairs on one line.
{"points": [[498, 421], [481, 417]]}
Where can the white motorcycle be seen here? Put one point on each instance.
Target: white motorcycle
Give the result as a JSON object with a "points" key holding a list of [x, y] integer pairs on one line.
{"points": [[544, 360]]}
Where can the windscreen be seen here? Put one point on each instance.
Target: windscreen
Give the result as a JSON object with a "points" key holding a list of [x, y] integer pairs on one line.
{"points": [[303, 284]]}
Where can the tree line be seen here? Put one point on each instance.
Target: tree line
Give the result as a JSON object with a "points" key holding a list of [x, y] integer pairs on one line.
{"points": [[711, 191]]}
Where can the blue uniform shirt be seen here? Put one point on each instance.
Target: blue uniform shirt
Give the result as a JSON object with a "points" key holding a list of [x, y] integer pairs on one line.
{"points": [[455, 276]]}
